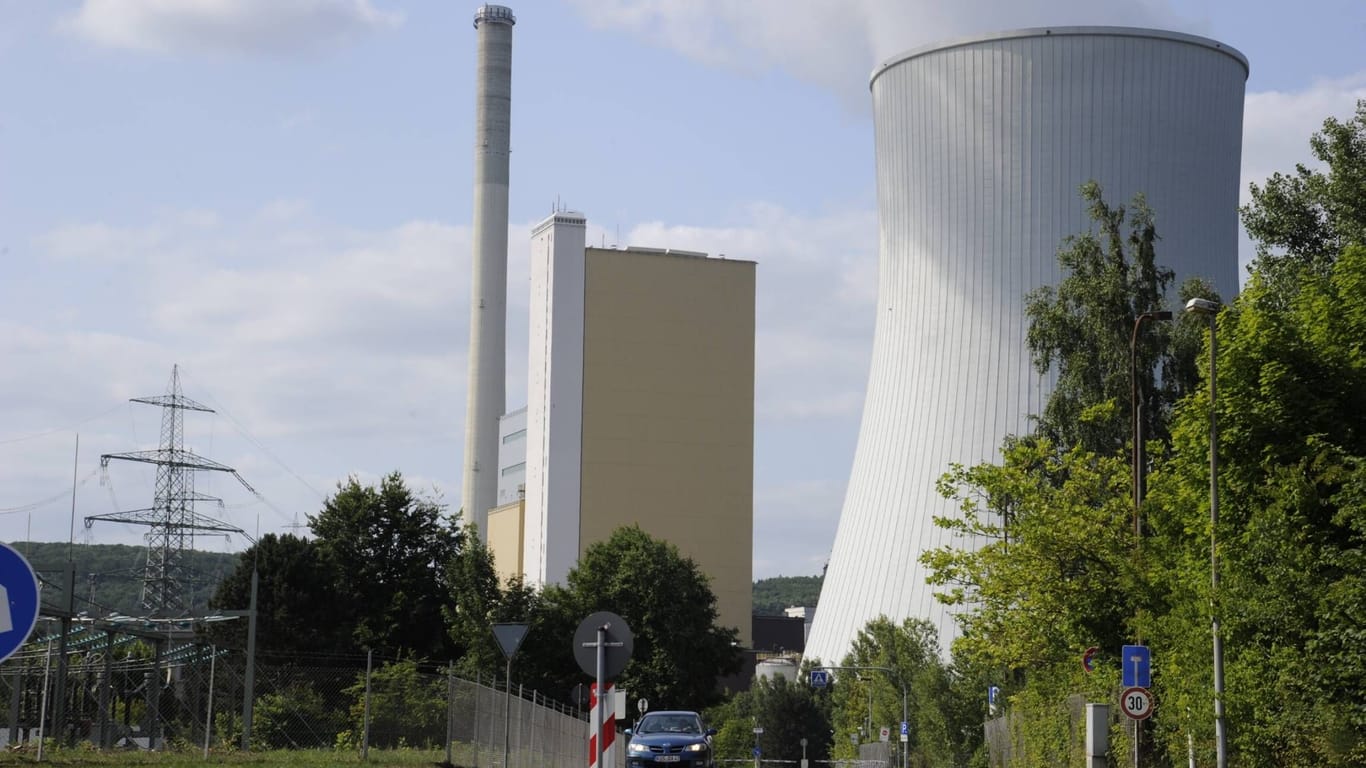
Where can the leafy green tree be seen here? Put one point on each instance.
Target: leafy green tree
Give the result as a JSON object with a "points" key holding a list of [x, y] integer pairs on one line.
{"points": [[787, 711], [1292, 523], [666, 600], [1054, 572], [895, 655], [388, 549], [407, 708], [1083, 329], [298, 610], [1307, 218]]}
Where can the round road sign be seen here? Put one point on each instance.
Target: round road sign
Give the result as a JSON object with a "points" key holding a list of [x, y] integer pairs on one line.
{"points": [[1088, 659], [618, 639], [18, 600], [1137, 703]]}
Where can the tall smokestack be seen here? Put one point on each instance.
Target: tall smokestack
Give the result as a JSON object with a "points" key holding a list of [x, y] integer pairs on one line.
{"points": [[488, 292]]}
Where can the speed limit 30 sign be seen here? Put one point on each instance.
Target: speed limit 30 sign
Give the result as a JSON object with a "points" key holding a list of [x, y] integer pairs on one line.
{"points": [[1137, 703]]}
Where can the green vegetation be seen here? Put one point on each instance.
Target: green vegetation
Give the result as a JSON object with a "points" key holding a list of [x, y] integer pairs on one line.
{"points": [[772, 595], [109, 576], [1060, 566], [193, 758]]}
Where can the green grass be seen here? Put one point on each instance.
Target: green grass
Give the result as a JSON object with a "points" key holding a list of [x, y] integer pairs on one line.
{"points": [[379, 758]]}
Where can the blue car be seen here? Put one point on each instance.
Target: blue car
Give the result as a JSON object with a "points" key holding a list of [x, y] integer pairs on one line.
{"points": [[670, 738]]}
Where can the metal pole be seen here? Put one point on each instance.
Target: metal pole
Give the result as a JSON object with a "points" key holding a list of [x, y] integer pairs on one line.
{"points": [[365, 730], [507, 712], [602, 693], [208, 714], [905, 745], [1220, 736], [42, 707], [478, 693], [450, 710], [249, 684], [106, 688]]}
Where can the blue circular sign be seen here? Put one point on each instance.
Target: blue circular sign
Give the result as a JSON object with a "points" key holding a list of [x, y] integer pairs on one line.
{"points": [[18, 600]]}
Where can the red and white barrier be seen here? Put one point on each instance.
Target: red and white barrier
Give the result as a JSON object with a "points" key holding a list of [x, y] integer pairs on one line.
{"points": [[602, 723]]}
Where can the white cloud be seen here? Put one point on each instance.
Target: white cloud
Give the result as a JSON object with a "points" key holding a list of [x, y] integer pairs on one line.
{"points": [[836, 43], [226, 26]]}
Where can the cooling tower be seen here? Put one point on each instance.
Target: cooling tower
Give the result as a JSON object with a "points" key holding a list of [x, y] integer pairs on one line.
{"points": [[486, 390], [981, 146]]}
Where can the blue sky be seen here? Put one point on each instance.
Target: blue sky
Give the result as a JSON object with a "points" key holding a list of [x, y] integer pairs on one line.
{"points": [[275, 195]]}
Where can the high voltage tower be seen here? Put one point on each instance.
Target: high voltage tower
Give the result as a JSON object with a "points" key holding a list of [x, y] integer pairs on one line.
{"points": [[172, 519]]}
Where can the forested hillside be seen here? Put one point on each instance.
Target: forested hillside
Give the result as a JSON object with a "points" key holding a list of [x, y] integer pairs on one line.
{"points": [[771, 596], [109, 576]]}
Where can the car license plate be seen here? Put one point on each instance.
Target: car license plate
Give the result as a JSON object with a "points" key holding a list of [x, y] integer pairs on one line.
{"points": [[666, 758]]}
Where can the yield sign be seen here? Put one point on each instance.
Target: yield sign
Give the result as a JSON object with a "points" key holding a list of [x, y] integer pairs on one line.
{"points": [[510, 637]]}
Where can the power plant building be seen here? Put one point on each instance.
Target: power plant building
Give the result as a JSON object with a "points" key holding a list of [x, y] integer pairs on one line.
{"points": [[981, 146], [640, 411]]}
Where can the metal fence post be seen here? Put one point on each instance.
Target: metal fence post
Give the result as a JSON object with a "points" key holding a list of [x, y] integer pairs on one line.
{"points": [[365, 727], [474, 738], [208, 715], [42, 708], [450, 710]]}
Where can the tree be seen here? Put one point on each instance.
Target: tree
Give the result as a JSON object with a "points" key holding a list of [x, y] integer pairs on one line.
{"points": [[1292, 525], [1083, 328], [788, 712], [298, 610], [667, 602], [1307, 218], [894, 655], [388, 550]]}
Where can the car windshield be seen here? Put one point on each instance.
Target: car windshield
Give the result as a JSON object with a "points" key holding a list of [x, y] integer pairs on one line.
{"points": [[669, 724]]}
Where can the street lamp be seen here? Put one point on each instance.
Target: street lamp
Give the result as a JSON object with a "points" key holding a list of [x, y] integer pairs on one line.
{"points": [[1211, 310], [1136, 404]]}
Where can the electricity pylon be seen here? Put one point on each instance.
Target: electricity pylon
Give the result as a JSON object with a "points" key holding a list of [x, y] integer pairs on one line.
{"points": [[172, 519]]}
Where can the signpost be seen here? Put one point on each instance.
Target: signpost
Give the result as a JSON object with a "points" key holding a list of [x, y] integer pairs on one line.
{"points": [[1137, 703], [602, 646], [18, 600], [510, 637], [905, 732]]}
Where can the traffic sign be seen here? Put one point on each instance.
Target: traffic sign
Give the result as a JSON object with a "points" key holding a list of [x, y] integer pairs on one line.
{"points": [[1088, 659], [905, 728], [18, 600], [510, 637], [643, 705], [618, 642], [820, 678], [1137, 703], [884, 734], [1137, 671]]}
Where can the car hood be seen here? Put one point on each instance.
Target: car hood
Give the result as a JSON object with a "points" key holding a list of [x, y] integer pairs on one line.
{"points": [[672, 739]]}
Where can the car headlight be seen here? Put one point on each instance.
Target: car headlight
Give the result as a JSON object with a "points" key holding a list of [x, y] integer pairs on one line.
{"points": [[700, 746], [634, 747]]}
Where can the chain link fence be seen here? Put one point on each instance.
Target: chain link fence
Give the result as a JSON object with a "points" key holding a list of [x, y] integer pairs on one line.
{"points": [[116, 693]]}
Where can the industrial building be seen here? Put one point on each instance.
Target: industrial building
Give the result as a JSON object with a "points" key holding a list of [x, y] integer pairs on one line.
{"points": [[640, 412], [981, 145]]}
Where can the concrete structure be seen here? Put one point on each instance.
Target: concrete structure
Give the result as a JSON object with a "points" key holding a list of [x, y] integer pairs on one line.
{"points": [[981, 146], [486, 393], [640, 409]]}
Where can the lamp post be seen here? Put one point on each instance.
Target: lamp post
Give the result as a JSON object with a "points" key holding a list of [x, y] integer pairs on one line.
{"points": [[1136, 403], [1211, 310]]}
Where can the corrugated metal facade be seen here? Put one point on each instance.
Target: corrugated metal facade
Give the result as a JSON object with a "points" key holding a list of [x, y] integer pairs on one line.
{"points": [[981, 146]]}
